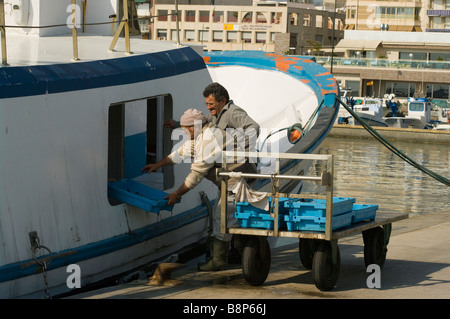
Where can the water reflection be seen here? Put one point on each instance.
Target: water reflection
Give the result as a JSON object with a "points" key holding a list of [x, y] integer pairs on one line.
{"points": [[369, 172]]}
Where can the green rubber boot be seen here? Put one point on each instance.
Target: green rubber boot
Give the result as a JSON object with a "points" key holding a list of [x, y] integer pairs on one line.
{"points": [[219, 259]]}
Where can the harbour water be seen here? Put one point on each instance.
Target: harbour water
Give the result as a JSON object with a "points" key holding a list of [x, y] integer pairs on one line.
{"points": [[368, 171]]}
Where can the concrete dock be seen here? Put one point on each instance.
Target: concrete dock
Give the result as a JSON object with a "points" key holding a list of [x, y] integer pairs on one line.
{"points": [[417, 267], [392, 134]]}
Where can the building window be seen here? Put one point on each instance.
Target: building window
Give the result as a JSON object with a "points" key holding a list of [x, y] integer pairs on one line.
{"points": [[353, 86], [401, 89], [276, 17], [438, 91], [161, 34], [217, 36], [319, 21], [204, 35], [260, 18], [293, 18], [174, 16], [162, 15], [351, 13], [218, 16], [440, 56], [306, 20], [189, 16], [232, 16], [248, 17], [203, 16], [260, 37], [189, 35], [174, 34], [272, 37], [246, 36], [232, 36]]}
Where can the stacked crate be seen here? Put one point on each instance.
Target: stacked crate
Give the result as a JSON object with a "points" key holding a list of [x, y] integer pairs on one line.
{"points": [[305, 214]]}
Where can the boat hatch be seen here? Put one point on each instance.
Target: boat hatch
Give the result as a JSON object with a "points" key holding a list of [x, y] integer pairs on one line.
{"points": [[139, 195]]}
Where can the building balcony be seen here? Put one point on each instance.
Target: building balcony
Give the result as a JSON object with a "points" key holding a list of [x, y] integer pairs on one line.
{"points": [[437, 30], [384, 63], [438, 13]]}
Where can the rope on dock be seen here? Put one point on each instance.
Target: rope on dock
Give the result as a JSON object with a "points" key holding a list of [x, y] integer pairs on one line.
{"points": [[393, 149]]}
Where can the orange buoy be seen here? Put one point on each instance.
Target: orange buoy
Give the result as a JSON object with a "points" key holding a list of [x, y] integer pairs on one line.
{"points": [[294, 136]]}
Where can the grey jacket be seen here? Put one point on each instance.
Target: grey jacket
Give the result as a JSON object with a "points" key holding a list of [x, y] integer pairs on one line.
{"points": [[234, 117]]}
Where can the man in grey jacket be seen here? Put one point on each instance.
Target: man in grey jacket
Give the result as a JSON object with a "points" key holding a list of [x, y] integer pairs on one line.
{"points": [[244, 130], [236, 122]]}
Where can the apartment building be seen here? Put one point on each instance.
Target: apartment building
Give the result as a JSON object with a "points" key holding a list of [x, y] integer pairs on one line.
{"points": [[407, 15], [438, 13], [272, 26]]}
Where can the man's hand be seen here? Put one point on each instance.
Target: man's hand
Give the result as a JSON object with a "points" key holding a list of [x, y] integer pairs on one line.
{"points": [[150, 168], [173, 198]]}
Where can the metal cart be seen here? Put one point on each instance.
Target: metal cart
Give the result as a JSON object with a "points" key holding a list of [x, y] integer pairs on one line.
{"points": [[318, 251]]}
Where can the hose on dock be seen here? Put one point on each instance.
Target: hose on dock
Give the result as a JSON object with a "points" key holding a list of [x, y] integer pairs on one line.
{"points": [[393, 149]]}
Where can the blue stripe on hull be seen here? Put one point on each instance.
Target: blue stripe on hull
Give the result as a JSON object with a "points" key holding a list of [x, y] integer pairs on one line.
{"points": [[72, 256], [57, 78]]}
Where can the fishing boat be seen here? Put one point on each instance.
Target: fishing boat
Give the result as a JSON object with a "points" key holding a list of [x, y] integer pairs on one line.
{"points": [[81, 114], [419, 115], [370, 110]]}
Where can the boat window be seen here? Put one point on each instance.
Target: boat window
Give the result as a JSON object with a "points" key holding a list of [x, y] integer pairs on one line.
{"points": [[136, 137], [418, 107]]}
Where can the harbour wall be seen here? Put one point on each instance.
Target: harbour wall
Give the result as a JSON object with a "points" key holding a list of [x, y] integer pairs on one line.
{"points": [[392, 134]]}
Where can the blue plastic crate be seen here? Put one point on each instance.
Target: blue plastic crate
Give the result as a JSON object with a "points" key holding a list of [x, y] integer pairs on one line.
{"points": [[246, 207], [259, 220], [139, 195], [364, 212], [318, 208], [249, 216], [317, 223]]}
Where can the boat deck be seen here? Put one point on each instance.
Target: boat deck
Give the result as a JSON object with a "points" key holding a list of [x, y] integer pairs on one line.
{"points": [[35, 50]]}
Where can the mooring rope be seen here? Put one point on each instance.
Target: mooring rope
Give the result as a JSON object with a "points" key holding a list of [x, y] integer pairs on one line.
{"points": [[393, 149]]}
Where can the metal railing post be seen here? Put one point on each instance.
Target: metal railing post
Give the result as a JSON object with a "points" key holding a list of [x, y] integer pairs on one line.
{"points": [[3, 33], [74, 31], [123, 23], [329, 200], [177, 22]]}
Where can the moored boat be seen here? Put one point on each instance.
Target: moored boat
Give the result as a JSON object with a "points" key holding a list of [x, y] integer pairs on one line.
{"points": [[419, 115], [75, 115]]}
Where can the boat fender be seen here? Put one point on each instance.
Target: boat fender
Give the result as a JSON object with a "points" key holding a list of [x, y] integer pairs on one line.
{"points": [[295, 133]]}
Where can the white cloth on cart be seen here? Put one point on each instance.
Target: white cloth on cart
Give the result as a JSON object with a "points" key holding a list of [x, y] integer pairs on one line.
{"points": [[243, 193]]}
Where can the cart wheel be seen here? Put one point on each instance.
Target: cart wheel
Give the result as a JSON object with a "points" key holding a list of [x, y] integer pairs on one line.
{"points": [[374, 247], [325, 272], [256, 261], [306, 249]]}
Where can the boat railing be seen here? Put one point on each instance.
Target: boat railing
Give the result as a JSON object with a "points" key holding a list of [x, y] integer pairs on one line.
{"points": [[122, 25]]}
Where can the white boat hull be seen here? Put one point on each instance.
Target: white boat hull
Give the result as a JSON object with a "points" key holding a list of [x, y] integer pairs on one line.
{"points": [[55, 158], [405, 122]]}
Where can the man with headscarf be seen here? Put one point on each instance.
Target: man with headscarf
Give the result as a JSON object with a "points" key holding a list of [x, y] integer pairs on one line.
{"points": [[204, 145]]}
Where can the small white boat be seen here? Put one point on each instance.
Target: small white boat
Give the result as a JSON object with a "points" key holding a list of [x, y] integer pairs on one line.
{"points": [[419, 115], [371, 111], [442, 127], [74, 115]]}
